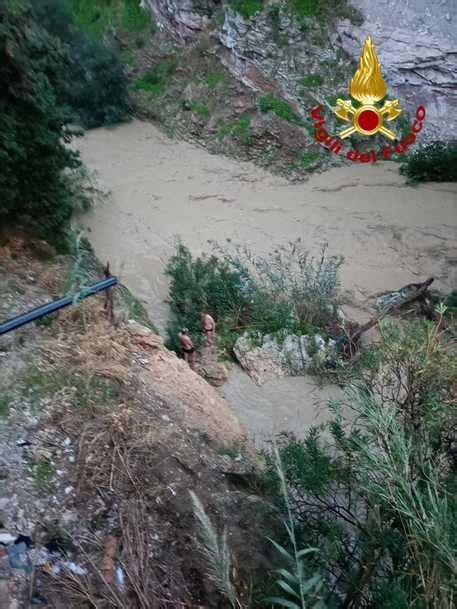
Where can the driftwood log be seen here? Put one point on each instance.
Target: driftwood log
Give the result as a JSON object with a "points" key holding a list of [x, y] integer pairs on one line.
{"points": [[349, 343]]}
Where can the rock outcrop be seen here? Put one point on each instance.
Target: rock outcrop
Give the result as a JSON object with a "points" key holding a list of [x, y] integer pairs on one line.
{"points": [[269, 357], [272, 52]]}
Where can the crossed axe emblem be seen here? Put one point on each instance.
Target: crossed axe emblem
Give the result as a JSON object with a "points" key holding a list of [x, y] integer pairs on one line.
{"points": [[346, 111]]}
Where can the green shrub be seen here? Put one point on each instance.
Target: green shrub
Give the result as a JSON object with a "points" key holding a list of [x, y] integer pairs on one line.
{"points": [[135, 18], [436, 162], [277, 105], [308, 158], [286, 291], [247, 8], [312, 80], [206, 283], [242, 128], [158, 77], [239, 128], [373, 488], [326, 10], [93, 86], [214, 77], [36, 177], [99, 16], [200, 107]]}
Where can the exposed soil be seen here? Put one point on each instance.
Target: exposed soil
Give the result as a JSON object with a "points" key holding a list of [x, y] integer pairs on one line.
{"points": [[103, 432]]}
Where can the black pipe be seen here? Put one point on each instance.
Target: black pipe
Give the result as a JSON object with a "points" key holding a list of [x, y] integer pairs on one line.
{"points": [[26, 318]]}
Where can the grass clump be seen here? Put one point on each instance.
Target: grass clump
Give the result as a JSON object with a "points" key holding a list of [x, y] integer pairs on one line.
{"points": [[43, 472], [214, 77], [200, 107], [157, 78], [100, 16], [308, 158], [80, 389], [215, 552], [247, 8], [312, 80], [277, 105], [436, 162], [240, 128], [325, 10]]}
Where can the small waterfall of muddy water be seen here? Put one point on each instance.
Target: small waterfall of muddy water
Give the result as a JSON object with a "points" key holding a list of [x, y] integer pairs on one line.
{"points": [[160, 189]]}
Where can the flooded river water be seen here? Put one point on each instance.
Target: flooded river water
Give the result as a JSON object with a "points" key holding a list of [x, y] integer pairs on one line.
{"points": [[161, 189]]}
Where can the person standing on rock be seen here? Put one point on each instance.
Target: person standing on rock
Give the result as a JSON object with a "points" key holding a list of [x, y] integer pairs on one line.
{"points": [[187, 347], [208, 327]]}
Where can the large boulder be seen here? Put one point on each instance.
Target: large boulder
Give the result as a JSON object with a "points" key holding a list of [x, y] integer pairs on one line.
{"points": [[268, 357]]}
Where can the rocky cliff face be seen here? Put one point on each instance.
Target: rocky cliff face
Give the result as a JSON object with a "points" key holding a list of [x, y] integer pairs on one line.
{"points": [[416, 43]]}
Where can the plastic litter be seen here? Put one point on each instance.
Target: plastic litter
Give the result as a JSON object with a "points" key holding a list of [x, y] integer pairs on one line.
{"points": [[74, 568], [18, 557], [120, 578]]}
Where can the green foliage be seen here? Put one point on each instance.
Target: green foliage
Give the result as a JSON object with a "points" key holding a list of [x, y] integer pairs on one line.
{"points": [[298, 591], [372, 488], [200, 107], [312, 80], [308, 158], [325, 10], [288, 290], [242, 128], [43, 472], [100, 16], [277, 105], [247, 8], [93, 85], [239, 128], [206, 283], [82, 391], [36, 162], [214, 77], [158, 77], [436, 162]]}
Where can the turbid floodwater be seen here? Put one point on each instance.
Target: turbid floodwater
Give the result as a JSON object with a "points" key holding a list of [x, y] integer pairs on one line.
{"points": [[160, 189]]}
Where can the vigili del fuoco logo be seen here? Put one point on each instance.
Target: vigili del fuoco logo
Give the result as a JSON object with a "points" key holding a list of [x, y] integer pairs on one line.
{"points": [[365, 114]]}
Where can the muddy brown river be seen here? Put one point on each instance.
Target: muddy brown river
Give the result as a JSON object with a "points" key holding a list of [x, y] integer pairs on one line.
{"points": [[160, 189]]}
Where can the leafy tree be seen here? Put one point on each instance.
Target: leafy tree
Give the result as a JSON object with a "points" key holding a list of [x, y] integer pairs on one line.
{"points": [[94, 86], [35, 160]]}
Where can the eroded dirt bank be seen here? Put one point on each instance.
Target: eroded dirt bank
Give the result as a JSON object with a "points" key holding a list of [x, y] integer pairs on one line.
{"points": [[390, 234]]}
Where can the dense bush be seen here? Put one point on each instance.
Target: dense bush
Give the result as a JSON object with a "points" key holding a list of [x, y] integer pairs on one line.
{"points": [[247, 8], [99, 16], [436, 162], [285, 290], [36, 165], [205, 283], [277, 105], [375, 490], [327, 10], [93, 86], [155, 80]]}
